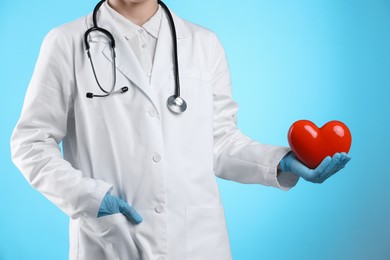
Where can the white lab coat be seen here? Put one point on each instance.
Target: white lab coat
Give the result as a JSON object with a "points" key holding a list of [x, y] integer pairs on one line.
{"points": [[161, 163]]}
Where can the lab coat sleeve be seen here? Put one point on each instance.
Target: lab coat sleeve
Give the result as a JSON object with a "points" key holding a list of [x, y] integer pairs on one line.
{"points": [[41, 127], [236, 156]]}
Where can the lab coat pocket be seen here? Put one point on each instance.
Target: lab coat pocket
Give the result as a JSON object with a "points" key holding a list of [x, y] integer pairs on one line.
{"points": [[108, 237], [196, 90], [106, 221], [206, 234]]}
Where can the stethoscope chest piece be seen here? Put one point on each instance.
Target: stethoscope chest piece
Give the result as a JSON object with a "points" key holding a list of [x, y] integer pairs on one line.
{"points": [[176, 104]]}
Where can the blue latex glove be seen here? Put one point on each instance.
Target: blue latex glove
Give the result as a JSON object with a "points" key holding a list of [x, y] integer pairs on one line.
{"points": [[328, 167], [112, 205]]}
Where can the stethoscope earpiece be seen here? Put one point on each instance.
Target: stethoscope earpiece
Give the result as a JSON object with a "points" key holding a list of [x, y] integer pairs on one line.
{"points": [[176, 104], [122, 90]]}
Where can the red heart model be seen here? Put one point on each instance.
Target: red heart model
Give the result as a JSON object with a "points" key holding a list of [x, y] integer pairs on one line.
{"points": [[311, 144]]}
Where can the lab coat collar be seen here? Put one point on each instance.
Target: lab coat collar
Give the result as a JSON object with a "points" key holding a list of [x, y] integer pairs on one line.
{"points": [[129, 29], [126, 61], [105, 20], [152, 26]]}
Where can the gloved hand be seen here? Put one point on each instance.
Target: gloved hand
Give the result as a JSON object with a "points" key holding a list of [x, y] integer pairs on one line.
{"points": [[111, 205], [328, 167]]}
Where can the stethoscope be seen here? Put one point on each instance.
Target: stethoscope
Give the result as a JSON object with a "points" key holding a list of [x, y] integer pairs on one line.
{"points": [[175, 103]]}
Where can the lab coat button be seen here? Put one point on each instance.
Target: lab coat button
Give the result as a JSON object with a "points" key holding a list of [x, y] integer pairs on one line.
{"points": [[156, 157], [159, 208], [141, 30], [149, 74], [144, 46], [152, 113]]}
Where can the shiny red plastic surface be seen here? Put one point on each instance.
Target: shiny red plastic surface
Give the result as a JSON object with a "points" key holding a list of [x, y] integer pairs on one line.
{"points": [[311, 144]]}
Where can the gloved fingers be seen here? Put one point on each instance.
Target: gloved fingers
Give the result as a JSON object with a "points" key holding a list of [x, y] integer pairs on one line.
{"points": [[319, 174], [345, 158], [332, 167], [328, 167], [130, 212]]}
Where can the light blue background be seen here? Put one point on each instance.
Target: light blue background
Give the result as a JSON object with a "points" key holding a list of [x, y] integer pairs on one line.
{"points": [[289, 60]]}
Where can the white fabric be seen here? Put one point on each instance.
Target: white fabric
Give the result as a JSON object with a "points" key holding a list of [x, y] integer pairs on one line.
{"points": [[161, 163], [142, 39]]}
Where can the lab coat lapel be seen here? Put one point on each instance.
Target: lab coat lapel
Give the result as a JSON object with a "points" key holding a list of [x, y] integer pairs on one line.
{"points": [[126, 61]]}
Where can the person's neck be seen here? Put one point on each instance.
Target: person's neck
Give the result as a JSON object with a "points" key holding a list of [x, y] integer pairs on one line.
{"points": [[137, 13]]}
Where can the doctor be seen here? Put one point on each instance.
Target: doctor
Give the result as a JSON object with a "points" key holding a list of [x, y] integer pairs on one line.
{"points": [[138, 180]]}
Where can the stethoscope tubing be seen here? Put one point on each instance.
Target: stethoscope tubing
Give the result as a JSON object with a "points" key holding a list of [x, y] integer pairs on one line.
{"points": [[175, 103]]}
